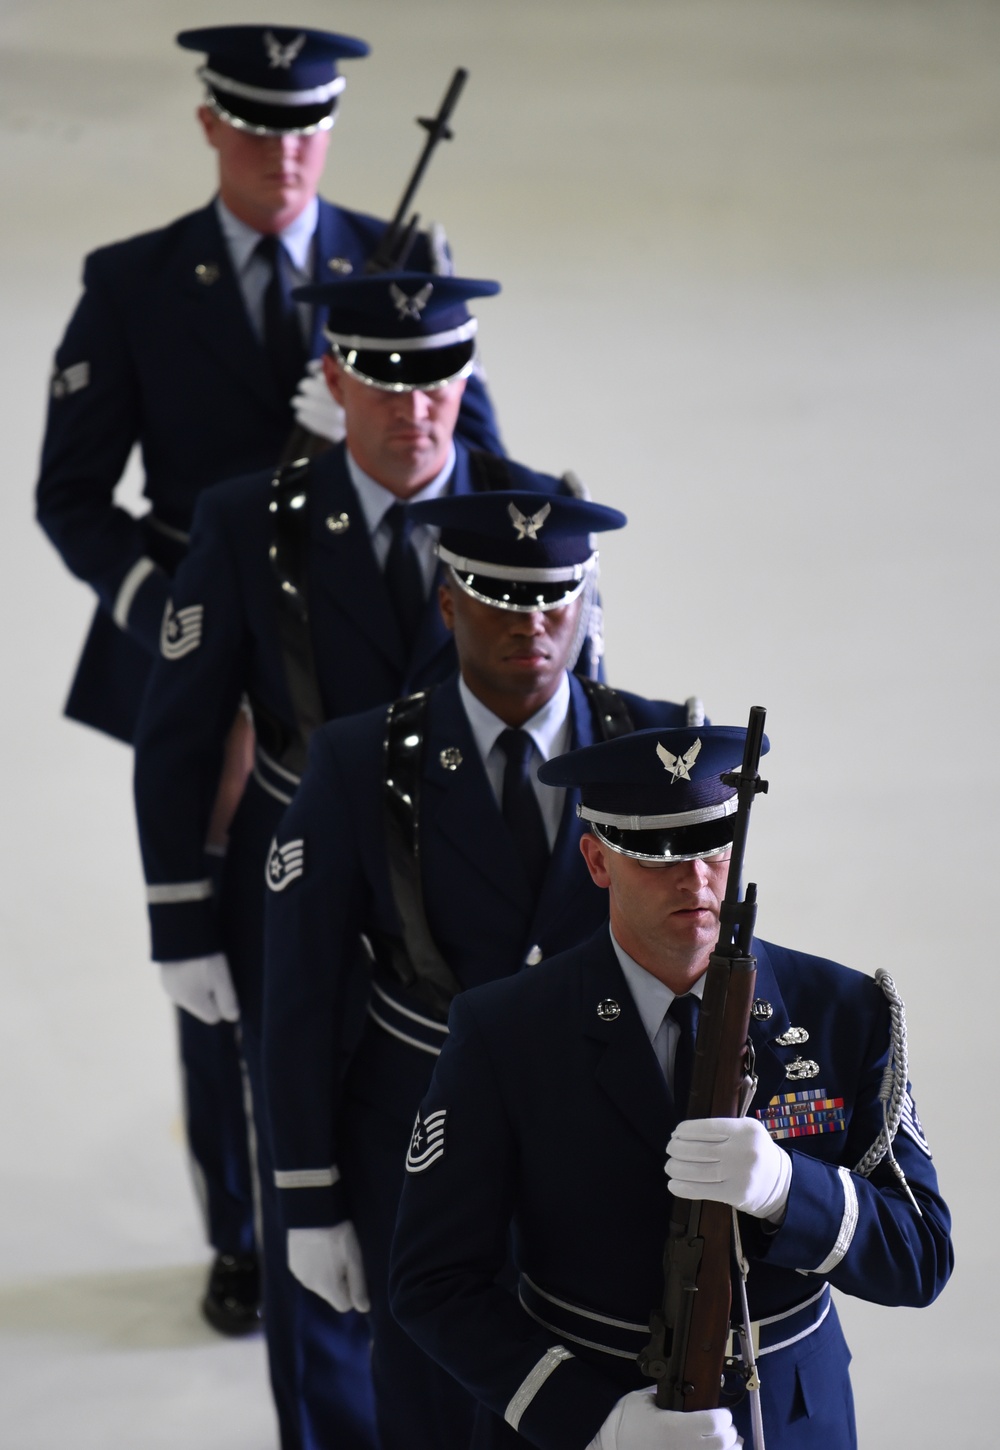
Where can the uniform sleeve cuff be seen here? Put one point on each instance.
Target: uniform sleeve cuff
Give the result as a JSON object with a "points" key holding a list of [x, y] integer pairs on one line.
{"points": [[820, 1218], [304, 1207], [184, 928], [139, 604]]}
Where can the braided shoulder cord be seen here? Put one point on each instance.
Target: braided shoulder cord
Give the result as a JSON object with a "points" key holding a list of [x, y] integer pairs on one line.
{"points": [[892, 1093]]}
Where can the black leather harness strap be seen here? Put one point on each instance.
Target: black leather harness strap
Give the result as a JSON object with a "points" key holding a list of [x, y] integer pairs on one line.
{"points": [[611, 714], [413, 957], [288, 554]]}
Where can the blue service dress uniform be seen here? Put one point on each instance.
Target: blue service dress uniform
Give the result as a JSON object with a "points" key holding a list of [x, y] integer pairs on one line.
{"points": [[348, 1050], [543, 1116], [221, 641], [160, 352]]}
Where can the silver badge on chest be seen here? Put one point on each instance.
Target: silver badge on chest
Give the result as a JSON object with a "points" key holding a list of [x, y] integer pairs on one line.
{"points": [[800, 1068], [608, 1010], [793, 1037]]}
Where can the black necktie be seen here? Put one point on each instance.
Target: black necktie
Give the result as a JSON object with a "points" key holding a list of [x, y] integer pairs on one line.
{"points": [[684, 1011], [520, 807], [282, 329], [403, 576]]}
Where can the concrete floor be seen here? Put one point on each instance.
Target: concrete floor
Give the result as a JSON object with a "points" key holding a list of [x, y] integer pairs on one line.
{"points": [[751, 263]]}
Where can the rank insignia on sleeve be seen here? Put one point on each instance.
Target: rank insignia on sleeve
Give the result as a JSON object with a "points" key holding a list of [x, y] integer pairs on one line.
{"points": [[180, 632], [426, 1141], [284, 864], [70, 380], [803, 1114], [911, 1126]]}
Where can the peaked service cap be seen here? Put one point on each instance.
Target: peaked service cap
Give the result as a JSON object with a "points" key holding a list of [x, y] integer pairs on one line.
{"points": [[517, 548], [273, 80], [657, 795], [401, 330]]}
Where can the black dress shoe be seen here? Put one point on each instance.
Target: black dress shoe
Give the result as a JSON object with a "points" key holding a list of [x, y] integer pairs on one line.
{"points": [[232, 1296]]}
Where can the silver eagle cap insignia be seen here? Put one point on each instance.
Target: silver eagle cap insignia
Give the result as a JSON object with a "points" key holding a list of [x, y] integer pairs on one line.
{"points": [[679, 767], [280, 57], [528, 525], [410, 308]]}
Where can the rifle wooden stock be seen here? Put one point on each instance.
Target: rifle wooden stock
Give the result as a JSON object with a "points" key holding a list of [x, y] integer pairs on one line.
{"points": [[690, 1329]]}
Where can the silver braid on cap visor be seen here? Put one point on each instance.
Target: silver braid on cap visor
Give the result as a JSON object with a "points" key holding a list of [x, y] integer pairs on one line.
{"points": [[272, 97], [464, 571], [325, 123], [682, 822]]}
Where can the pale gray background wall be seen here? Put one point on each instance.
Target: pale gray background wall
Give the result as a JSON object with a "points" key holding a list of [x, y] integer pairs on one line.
{"points": [[752, 294]]}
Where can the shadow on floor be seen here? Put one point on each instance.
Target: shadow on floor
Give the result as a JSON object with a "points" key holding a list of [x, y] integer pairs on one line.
{"points": [[129, 1309]]}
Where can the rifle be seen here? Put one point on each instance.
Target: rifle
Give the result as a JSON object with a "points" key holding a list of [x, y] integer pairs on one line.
{"points": [[394, 246], [397, 240], [686, 1353]]}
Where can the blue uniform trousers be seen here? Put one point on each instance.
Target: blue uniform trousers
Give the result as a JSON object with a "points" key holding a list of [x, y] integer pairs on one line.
{"points": [[418, 1404], [318, 1359]]}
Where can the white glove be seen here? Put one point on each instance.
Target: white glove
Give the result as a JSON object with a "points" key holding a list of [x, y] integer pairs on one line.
{"points": [[203, 987], [636, 1424], [328, 1261], [729, 1160], [315, 407]]}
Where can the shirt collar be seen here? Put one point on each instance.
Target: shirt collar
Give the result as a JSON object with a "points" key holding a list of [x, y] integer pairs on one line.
{"points": [[651, 996], [242, 239], [548, 727], [375, 498]]}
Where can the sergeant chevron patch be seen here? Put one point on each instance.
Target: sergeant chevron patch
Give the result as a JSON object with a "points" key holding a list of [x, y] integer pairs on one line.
{"points": [[284, 864], [426, 1142], [803, 1114], [180, 633], [70, 380], [911, 1126]]}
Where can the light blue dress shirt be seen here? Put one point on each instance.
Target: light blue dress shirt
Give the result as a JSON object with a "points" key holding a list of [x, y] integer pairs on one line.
{"points": [[376, 501], [253, 273], [550, 729], [652, 999]]}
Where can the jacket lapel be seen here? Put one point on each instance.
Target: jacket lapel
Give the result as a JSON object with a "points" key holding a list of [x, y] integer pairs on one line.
{"points": [[459, 803], [210, 298], [770, 1064], [347, 572], [626, 1069], [432, 636], [567, 877], [328, 246]]}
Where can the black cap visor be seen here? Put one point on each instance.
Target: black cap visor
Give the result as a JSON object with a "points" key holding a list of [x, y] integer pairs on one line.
{"points": [[666, 844], [405, 372], [262, 119], [522, 596]]}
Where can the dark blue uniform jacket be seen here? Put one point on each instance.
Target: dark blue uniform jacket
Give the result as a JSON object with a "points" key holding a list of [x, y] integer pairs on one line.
{"points": [[479, 907], [193, 695], [558, 1121], [160, 351]]}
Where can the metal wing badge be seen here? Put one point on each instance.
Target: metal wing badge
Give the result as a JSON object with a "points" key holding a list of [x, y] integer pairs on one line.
{"points": [[679, 766], [410, 307], [527, 525], [280, 56]]}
